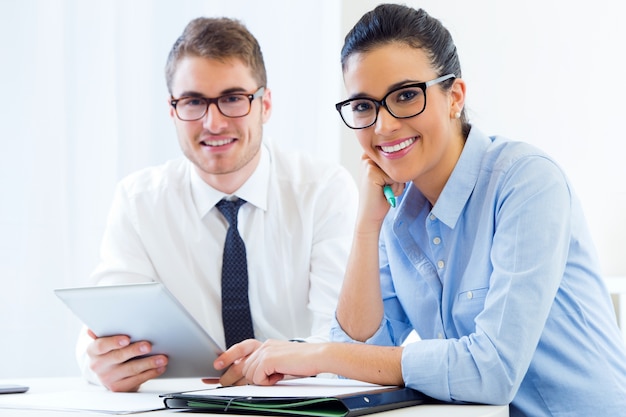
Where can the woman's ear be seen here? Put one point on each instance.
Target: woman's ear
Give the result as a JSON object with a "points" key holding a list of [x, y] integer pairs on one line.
{"points": [[457, 97]]}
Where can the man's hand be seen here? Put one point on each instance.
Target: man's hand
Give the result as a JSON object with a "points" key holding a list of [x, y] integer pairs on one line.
{"points": [[234, 359], [112, 360]]}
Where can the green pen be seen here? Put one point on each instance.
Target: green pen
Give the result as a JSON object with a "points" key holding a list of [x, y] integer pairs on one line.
{"points": [[389, 195]]}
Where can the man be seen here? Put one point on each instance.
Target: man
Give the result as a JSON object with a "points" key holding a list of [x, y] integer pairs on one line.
{"points": [[296, 219]]}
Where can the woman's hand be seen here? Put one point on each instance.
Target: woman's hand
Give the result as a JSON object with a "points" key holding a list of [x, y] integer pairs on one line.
{"points": [[373, 205], [275, 359], [234, 359]]}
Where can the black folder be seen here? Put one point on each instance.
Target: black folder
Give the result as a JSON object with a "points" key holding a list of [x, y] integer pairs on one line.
{"points": [[362, 400]]}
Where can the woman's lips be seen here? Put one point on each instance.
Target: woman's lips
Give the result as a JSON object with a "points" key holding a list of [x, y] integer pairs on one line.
{"points": [[398, 149]]}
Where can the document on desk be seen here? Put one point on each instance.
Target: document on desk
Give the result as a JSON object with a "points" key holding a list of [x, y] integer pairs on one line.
{"points": [[318, 397], [97, 401]]}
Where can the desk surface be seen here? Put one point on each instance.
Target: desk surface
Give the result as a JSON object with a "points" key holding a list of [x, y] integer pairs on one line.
{"points": [[77, 386]]}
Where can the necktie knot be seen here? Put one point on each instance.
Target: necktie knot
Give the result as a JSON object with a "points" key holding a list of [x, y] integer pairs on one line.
{"points": [[229, 209]]}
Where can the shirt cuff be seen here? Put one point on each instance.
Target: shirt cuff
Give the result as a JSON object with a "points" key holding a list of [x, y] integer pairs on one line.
{"points": [[381, 337], [425, 368]]}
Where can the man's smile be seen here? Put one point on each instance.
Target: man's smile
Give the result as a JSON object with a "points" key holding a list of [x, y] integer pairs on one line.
{"points": [[217, 142]]}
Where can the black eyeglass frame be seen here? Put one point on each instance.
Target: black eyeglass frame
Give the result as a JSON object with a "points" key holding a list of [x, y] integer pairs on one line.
{"points": [[383, 102], [258, 93]]}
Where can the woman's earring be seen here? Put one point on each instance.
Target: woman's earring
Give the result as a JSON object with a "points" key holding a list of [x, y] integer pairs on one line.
{"points": [[457, 115]]}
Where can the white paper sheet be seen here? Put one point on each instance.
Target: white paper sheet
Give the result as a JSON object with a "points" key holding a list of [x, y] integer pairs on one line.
{"points": [[98, 401], [301, 387]]}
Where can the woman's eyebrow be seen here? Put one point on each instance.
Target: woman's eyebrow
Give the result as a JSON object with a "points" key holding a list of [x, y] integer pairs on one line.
{"points": [[392, 87]]}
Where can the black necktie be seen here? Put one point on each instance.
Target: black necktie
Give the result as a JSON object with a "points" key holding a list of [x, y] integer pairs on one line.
{"points": [[235, 305]]}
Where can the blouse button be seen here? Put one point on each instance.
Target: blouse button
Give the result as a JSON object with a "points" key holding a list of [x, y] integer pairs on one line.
{"points": [[432, 217], [437, 241], [441, 264], [470, 295]]}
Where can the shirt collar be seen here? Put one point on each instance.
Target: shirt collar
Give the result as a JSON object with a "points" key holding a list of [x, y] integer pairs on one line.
{"points": [[463, 179], [254, 190]]}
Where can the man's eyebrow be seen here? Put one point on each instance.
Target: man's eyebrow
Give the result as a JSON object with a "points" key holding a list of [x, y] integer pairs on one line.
{"points": [[232, 90], [191, 94]]}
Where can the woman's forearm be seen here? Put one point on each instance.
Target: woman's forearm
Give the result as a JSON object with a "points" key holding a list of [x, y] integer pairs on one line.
{"points": [[369, 363], [360, 307]]}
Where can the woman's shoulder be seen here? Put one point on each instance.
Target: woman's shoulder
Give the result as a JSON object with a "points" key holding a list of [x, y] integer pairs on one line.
{"points": [[503, 153]]}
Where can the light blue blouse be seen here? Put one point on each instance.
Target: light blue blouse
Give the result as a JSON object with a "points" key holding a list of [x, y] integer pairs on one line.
{"points": [[501, 281]]}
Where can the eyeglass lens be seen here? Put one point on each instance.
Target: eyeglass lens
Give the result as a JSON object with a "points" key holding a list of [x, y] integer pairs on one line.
{"points": [[194, 108], [404, 102]]}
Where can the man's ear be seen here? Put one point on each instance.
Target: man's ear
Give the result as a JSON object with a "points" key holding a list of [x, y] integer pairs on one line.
{"points": [[266, 102], [172, 110]]}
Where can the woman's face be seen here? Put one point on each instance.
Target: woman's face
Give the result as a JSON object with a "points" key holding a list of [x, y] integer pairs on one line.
{"points": [[423, 148]]}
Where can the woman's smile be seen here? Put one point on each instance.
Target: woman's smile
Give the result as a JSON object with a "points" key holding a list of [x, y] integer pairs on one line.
{"points": [[397, 149]]}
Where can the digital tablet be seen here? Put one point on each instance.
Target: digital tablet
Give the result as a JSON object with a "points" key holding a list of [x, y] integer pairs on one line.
{"points": [[147, 311]]}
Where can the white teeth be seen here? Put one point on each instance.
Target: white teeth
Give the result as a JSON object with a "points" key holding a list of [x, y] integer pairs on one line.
{"points": [[398, 147], [220, 142]]}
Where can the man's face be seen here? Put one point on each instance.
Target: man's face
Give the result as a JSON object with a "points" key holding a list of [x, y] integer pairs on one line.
{"points": [[224, 150]]}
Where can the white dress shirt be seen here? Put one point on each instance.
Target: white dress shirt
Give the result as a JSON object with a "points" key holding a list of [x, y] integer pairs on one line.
{"points": [[297, 225]]}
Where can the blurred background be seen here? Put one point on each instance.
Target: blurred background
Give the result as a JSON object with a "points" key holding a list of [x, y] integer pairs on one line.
{"points": [[85, 103]]}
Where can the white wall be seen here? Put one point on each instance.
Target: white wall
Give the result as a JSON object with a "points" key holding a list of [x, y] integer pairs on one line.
{"points": [[84, 105]]}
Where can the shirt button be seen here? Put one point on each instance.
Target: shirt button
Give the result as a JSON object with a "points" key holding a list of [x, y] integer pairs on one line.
{"points": [[432, 217], [436, 241], [440, 335], [440, 264], [470, 295]]}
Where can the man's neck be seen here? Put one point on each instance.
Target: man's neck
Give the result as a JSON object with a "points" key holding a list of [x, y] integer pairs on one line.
{"points": [[230, 182]]}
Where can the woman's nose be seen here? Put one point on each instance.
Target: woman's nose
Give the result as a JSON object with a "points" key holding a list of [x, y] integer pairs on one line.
{"points": [[385, 122]]}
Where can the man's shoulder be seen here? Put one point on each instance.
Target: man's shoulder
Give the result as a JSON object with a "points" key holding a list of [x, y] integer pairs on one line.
{"points": [[169, 175]]}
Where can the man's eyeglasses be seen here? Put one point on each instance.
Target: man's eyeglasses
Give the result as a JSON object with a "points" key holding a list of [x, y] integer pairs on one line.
{"points": [[230, 105], [402, 103]]}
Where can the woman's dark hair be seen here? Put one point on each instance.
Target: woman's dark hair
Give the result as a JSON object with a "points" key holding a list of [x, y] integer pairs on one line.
{"points": [[395, 23]]}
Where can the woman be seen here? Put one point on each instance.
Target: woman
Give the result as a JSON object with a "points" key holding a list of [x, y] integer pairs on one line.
{"points": [[487, 254]]}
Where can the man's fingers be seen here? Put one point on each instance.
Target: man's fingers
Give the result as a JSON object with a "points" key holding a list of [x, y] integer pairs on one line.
{"points": [[129, 352], [129, 375], [233, 376], [117, 365], [103, 345], [132, 383]]}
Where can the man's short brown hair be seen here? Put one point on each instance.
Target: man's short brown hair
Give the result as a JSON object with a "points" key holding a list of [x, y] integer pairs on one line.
{"points": [[220, 39]]}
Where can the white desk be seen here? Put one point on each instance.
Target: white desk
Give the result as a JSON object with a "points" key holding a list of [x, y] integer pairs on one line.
{"points": [[63, 385]]}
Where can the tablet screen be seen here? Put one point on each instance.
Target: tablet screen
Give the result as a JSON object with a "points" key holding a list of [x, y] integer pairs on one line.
{"points": [[147, 311]]}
